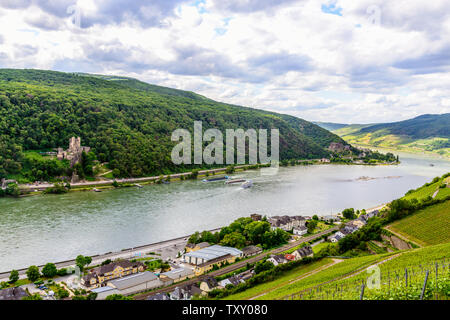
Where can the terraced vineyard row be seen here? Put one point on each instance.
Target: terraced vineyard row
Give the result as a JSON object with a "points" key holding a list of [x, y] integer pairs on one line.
{"points": [[427, 227], [401, 277]]}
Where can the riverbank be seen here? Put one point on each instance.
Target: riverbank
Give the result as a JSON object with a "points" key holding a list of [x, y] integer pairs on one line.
{"points": [[40, 188]]}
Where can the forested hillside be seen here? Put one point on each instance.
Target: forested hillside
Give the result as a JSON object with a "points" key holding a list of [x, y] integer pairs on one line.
{"points": [[127, 123]]}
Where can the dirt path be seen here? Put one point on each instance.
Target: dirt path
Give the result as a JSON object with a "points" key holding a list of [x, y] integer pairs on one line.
{"points": [[335, 261]]}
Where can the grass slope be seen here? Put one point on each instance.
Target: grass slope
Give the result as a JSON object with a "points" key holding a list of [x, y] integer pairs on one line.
{"points": [[427, 227]]}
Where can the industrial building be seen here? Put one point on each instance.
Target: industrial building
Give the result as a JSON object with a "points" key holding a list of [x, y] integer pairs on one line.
{"points": [[210, 253]]}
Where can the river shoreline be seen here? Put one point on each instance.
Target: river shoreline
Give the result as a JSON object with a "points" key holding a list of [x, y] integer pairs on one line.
{"points": [[39, 189]]}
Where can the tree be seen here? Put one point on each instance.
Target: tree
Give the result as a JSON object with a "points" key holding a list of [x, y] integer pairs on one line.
{"points": [[349, 213], [33, 273], [234, 239], [312, 226], [263, 266], [62, 293], [49, 270], [14, 276], [82, 261], [315, 217]]}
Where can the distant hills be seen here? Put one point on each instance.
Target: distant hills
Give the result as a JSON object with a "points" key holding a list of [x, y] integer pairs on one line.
{"points": [[425, 133], [126, 122]]}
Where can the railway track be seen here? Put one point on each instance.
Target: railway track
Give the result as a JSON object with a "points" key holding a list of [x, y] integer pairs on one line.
{"points": [[235, 266]]}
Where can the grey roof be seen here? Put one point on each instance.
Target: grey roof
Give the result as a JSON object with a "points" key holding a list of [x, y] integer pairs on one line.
{"points": [[232, 280], [211, 282], [213, 252], [178, 273], [251, 250], [102, 289], [159, 296], [133, 280], [16, 293]]}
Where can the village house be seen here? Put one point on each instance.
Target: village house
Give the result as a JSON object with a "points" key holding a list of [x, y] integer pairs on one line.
{"points": [[159, 297], [300, 231], [256, 217], [277, 259], [209, 284], [136, 283], [286, 223], [330, 218], [97, 277], [176, 275], [234, 281], [251, 251], [289, 257], [303, 253], [185, 293]]}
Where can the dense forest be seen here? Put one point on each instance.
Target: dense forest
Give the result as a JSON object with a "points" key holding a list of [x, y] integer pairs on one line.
{"points": [[127, 123]]}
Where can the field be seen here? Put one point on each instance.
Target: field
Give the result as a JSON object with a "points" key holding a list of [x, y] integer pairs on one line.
{"points": [[424, 191], [338, 270], [286, 278], [427, 227], [392, 275]]}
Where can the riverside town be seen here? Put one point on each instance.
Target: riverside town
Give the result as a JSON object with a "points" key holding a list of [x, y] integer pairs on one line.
{"points": [[224, 159]]}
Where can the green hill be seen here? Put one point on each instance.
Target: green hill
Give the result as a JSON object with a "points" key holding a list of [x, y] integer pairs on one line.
{"points": [[126, 122], [426, 133]]}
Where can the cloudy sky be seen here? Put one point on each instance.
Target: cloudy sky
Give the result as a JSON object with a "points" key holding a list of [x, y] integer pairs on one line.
{"points": [[322, 60]]}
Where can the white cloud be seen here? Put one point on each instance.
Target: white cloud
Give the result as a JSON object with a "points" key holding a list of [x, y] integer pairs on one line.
{"points": [[379, 61]]}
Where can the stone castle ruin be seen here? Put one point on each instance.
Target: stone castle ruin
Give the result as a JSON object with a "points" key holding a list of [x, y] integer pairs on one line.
{"points": [[73, 154]]}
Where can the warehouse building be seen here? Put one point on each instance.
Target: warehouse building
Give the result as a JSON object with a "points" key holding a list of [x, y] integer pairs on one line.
{"points": [[214, 252]]}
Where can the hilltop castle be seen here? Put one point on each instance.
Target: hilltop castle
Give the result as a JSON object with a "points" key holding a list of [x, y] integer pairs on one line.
{"points": [[73, 154]]}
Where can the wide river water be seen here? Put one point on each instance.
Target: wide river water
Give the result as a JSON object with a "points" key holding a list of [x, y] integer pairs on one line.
{"points": [[52, 228]]}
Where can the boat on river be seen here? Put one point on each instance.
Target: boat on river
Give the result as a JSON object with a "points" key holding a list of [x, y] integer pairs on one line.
{"points": [[247, 184], [96, 190], [216, 179], [232, 181]]}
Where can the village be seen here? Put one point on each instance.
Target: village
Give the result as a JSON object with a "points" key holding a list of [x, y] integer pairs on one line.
{"points": [[183, 271]]}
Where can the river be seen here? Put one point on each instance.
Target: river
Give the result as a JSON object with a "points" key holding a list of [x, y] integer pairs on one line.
{"points": [[51, 228]]}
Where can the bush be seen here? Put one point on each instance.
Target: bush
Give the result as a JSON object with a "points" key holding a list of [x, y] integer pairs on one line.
{"points": [[33, 273], [49, 270]]}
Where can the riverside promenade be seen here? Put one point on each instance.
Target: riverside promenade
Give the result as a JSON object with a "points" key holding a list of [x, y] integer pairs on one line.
{"points": [[107, 182]]}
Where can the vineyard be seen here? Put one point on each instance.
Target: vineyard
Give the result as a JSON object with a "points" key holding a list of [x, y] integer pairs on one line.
{"points": [[340, 269], [427, 227], [400, 277]]}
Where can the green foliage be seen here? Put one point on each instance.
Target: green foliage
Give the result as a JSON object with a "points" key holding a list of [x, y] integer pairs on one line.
{"points": [[244, 231], [49, 270], [35, 296], [62, 293], [14, 276], [118, 297], [311, 225], [58, 188], [127, 123], [82, 261], [349, 214], [262, 266], [33, 273]]}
